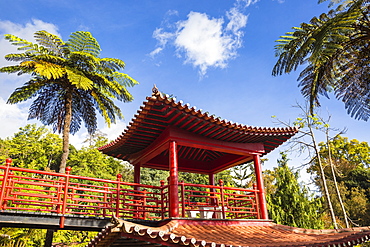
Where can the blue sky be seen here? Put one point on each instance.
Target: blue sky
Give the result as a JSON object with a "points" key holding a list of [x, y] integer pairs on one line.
{"points": [[216, 55]]}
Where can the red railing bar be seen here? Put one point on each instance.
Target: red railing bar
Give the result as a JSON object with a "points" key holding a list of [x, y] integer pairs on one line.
{"points": [[5, 180]]}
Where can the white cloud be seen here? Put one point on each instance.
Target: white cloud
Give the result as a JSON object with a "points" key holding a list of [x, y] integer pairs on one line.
{"points": [[203, 41], [25, 31], [11, 118], [9, 82]]}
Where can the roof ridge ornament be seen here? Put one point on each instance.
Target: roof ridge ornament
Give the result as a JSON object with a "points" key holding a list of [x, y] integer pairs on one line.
{"points": [[155, 91]]}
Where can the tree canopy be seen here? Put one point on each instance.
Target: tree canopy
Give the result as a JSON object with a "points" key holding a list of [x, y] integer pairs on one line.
{"points": [[290, 203], [351, 161], [70, 82], [334, 47]]}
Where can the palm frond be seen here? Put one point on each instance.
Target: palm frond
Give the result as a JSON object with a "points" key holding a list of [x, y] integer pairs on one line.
{"points": [[78, 79], [84, 61], [29, 90], [321, 44], [16, 69], [25, 45], [83, 42], [50, 41], [45, 69]]}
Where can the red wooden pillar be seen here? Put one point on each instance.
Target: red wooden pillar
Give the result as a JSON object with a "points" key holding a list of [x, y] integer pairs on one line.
{"points": [[260, 186], [137, 176], [174, 181], [211, 181], [137, 173]]}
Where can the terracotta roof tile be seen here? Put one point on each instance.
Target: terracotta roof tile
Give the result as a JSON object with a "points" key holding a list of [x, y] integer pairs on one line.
{"points": [[232, 233], [158, 112]]}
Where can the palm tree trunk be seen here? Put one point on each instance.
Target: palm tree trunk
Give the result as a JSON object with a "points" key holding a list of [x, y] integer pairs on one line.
{"points": [[336, 183], [66, 130], [323, 179]]}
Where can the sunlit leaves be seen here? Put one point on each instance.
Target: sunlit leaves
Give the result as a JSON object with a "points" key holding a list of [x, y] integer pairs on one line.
{"points": [[25, 92], [45, 69], [290, 203], [50, 41], [83, 42], [79, 79], [334, 47], [70, 82], [59, 67]]}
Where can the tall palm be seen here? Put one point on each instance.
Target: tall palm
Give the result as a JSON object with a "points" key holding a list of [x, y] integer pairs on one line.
{"points": [[70, 82], [335, 49]]}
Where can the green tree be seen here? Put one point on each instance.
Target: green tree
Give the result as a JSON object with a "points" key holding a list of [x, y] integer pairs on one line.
{"points": [[33, 147], [350, 161], [334, 48], [89, 162], [290, 203], [306, 141], [37, 148], [70, 82]]}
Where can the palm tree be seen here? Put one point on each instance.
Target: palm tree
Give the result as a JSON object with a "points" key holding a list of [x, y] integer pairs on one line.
{"points": [[335, 49], [70, 82]]}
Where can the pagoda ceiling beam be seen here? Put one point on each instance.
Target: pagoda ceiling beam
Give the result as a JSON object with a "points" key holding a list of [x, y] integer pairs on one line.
{"points": [[188, 139]]}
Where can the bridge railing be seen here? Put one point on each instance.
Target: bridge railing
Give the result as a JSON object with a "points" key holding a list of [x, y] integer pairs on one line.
{"points": [[212, 201], [67, 194]]}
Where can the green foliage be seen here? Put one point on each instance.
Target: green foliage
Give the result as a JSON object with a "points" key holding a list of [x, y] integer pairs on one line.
{"points": [[21, 237], [37, 148], [334, 48], [351, 160], [89, 162], [32, 147], [69, 81], [290, 203], [59, 67], [72, 238]]}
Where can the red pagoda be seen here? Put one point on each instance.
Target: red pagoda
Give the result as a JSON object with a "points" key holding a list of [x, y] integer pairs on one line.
{"points": [[169, 135]]}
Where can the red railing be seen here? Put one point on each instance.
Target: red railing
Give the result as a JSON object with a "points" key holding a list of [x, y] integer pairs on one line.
{"points": [[221, 202], [67, 194]]}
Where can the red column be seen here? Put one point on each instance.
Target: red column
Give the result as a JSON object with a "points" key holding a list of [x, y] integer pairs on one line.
{"points": [[137, 176], [174, 181], [260, 186], [211, 181]]}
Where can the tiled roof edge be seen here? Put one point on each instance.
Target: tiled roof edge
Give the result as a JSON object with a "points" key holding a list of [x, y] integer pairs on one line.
{"points": [[205, 116]]}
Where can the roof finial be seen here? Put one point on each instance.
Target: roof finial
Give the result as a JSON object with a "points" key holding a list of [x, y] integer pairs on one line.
{"points": [[155, 91]]}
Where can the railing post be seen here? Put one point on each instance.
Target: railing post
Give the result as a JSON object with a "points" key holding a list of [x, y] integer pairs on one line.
{"points": [[5, 180], [211, 181], [105, 204], [144, 209], [182, 198], [256, 201], [162, 199], [59, 195], [222, 199], [9, 188], [119, 176], [65, 197]]}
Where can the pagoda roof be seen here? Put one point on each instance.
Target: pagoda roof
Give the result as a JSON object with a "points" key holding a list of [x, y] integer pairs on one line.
{"points": [[252, 233], [210, 138]]}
